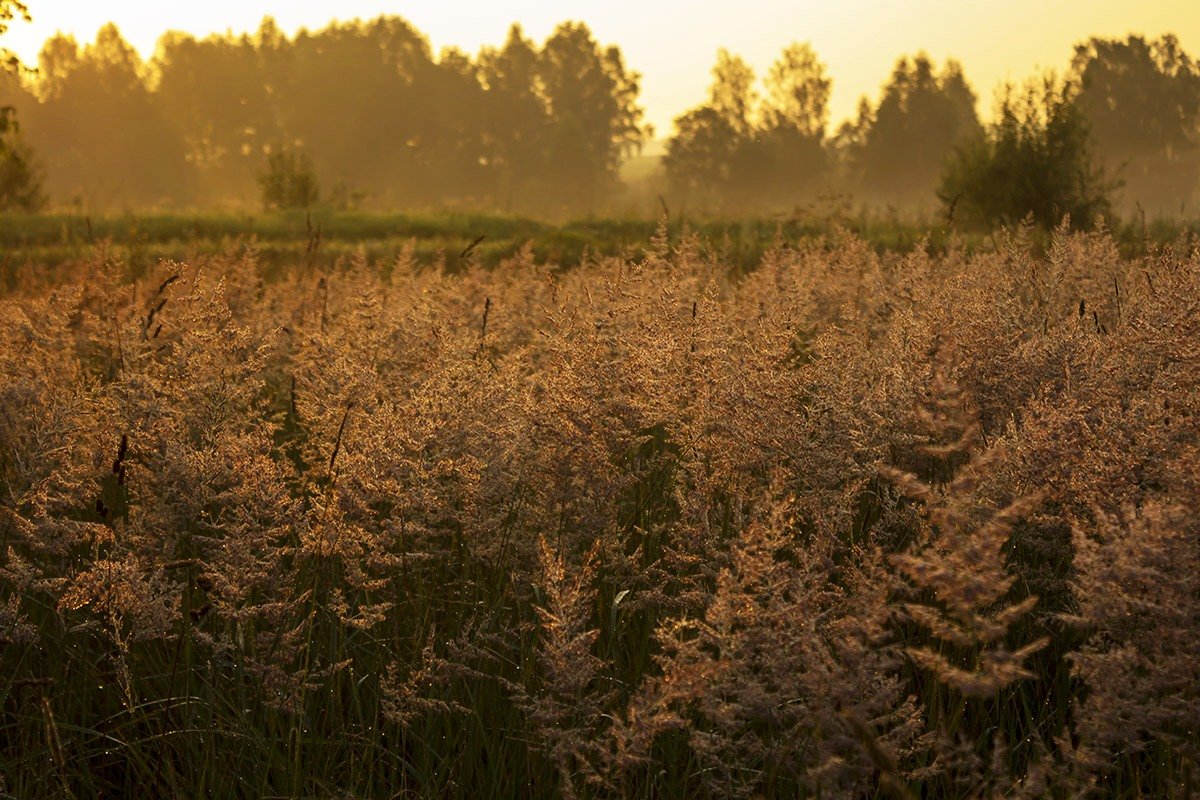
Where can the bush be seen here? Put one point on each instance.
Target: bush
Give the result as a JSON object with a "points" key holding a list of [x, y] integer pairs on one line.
{"points": [[20, 184], [289, 182], [1034, 160]]}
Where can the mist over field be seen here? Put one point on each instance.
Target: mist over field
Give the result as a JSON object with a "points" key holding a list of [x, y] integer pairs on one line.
{"points": [[383, 422], [375, 119]]}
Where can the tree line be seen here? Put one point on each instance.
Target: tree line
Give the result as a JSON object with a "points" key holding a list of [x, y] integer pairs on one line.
{"points": [[365, 113], [1119, 130], [520, 127]]}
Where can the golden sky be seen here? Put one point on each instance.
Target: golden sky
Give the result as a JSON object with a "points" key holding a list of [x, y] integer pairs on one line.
{"points": [[673, 43]]}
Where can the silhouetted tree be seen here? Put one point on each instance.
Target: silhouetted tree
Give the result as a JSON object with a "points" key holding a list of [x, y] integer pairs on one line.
{"points": [[1034, 160], [700, 155], [20, 184], [594, 117], [788, 158], [217, 95], [20, 180], [897, 150], [740, 150], [357, 97], [456, 147], [536, 128], [847, 144], [517, 121], [9, 10], [1142, 99], [100, 129], [702, 158], [797, 93], [732, 93], [16, 98]]}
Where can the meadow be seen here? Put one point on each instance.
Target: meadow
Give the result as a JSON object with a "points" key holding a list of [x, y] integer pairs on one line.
{"points": [[661, 514], [39, 247], [44, 248]]}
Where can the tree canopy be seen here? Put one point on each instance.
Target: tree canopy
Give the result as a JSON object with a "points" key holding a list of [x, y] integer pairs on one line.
{"points": [[1142, 99], [746, 148], [898, 148], [20, 181]]}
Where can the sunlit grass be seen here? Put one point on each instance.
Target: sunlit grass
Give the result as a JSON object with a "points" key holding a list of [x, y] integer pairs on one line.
{"points": [[851, 523]]}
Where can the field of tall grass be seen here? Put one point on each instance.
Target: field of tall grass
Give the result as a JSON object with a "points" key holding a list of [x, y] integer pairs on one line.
{"points": [[852, 523]]}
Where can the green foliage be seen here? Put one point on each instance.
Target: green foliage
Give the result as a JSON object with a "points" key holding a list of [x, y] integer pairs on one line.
{"points": [[51, 244], [1035, 161], [20, 183], [289, 181]]}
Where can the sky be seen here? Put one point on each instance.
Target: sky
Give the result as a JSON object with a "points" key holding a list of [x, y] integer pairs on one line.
{"points": [[673, 43]]}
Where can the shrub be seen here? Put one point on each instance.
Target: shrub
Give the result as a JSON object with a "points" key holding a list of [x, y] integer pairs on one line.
{"points": [[1034, 160], [20, 183], [289, 181]]}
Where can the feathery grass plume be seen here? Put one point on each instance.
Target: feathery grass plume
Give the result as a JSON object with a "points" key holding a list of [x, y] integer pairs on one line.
{"points": [[254, 617], [762, 685], [1138, 584], [570, 704], [961, 564], [406, 700], [964, 607]]}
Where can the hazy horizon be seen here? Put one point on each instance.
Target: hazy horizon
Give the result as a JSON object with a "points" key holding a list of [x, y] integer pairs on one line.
{"points": [[674, 44]]}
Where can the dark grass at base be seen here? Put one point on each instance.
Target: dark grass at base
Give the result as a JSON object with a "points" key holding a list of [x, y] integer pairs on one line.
{"points": [[41, 245]]}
